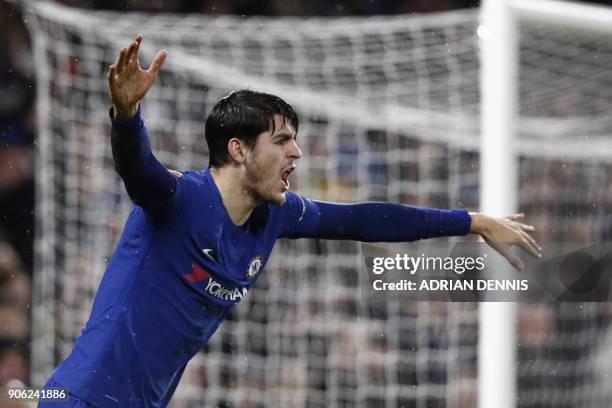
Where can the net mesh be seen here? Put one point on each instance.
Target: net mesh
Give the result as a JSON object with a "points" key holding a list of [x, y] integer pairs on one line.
{"points": [[565, 179], [389, 111]]}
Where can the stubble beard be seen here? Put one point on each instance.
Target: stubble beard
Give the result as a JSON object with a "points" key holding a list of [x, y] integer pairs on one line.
{"points": [[259, 183]]}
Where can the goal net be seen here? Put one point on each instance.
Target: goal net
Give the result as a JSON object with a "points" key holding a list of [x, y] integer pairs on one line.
{"points": [[389, 110]]}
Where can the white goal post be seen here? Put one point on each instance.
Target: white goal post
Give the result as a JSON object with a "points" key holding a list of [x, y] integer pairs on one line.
{"points": [[499, 31]]}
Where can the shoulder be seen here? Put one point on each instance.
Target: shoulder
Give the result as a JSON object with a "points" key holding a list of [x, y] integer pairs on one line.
{"points": [[175, 173], [193, 197], [294, 206], [189, 177], [189, 189], [293, 199], [186, 174]]}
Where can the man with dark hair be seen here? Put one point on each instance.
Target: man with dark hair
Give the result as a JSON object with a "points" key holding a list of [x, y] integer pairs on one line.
{"points": [[244, 113], [195, 242]]}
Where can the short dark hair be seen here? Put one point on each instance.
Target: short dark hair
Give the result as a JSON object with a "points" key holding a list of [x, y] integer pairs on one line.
{"points": [[243, 114]]}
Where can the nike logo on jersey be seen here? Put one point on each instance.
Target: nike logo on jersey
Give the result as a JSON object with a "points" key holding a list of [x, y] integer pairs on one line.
{"points": [[212, 255]]}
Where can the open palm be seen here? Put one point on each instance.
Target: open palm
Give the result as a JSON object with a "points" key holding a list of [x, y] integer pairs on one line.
{"points": [[502, 233], [127, 82]]}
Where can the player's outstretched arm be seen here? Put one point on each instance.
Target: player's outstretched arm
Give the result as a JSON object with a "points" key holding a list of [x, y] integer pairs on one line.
{"points": [[147, 181], [386, 222]]}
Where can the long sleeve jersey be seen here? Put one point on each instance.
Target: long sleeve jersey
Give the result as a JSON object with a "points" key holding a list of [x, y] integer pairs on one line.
{"points": [[181, 264]]}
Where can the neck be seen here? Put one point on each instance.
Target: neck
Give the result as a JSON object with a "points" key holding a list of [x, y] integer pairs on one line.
{"points": [[237, 201]]}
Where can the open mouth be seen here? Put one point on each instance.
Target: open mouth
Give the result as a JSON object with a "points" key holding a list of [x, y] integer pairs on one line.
{"points": [[285, 178]]}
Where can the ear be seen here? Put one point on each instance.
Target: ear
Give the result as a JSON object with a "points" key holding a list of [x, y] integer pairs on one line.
{"points": [[237, 150]]}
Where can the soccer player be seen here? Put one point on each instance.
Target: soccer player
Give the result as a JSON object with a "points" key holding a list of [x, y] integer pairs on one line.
{"points": [[196, 241]]}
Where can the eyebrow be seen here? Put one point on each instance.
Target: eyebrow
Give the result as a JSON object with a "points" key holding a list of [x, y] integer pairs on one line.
{"points": [[284, 136]]}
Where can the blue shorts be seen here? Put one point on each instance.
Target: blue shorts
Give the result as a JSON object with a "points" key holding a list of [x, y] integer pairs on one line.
{"points": [[72, 402]]}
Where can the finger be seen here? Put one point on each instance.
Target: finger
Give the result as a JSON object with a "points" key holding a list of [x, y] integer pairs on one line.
{"points": [[535, 248], [158, 61], [111, 74], [515, 217], [533, 242], [504, 250], [138, 39], [525, 227], [121, 60], [131, 51], [116, 63], [529, 247]]}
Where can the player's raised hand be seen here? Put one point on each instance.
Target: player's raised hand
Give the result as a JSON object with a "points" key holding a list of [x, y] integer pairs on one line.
{"points": [[127, 82], [501, 233]]}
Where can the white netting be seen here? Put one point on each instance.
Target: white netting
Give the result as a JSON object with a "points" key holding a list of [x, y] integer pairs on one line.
{"points": [[565, 98], [389, 111]]}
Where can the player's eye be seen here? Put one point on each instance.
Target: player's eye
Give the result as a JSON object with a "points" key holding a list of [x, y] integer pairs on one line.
{"points": [[282, 141]]}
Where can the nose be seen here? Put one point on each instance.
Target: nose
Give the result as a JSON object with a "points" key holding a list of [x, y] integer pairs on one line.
{"points": [[295, 151]]}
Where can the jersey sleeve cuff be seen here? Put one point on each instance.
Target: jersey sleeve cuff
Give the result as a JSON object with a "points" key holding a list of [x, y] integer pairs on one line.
{"points": [[461, 222], [133, 123]]}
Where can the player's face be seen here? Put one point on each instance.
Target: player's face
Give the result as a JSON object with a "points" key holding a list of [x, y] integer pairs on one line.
{"points": [[269, 164]]}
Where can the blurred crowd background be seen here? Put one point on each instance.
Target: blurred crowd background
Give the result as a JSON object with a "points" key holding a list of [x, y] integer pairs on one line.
{"points": [[18, 137], [278, 7], [18, 134]]}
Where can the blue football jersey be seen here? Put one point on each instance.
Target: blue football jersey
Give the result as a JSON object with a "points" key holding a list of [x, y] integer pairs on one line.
{"points": [[181, 264], [178, 269]]}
